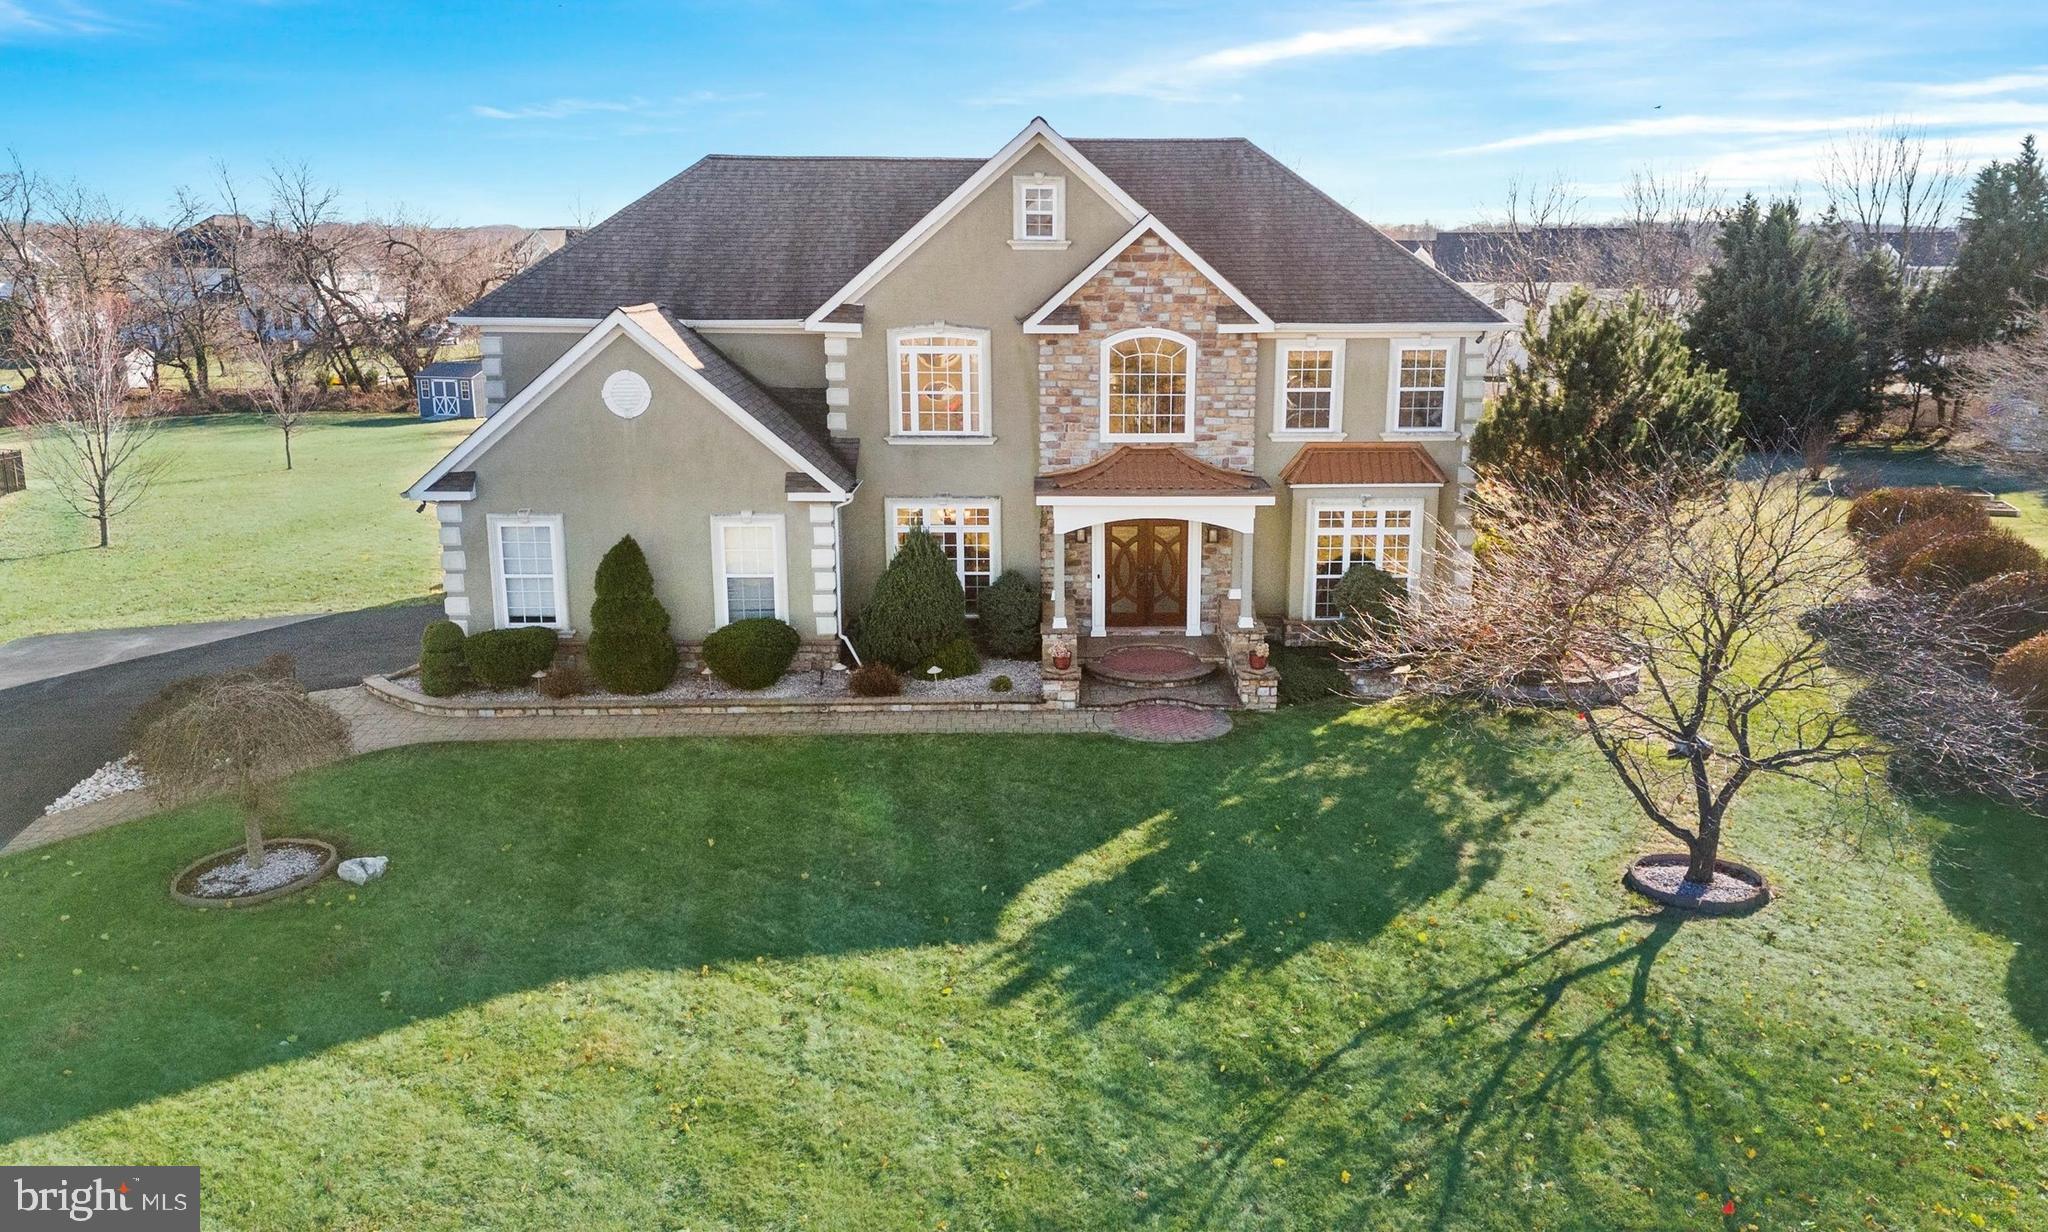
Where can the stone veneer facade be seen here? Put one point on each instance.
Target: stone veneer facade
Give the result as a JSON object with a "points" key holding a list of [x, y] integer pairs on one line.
{"points": [[1147, 286]]}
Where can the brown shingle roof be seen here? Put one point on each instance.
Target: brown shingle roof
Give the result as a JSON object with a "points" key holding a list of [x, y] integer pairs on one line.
{"points": [[1150, 470], [1362, 464]]}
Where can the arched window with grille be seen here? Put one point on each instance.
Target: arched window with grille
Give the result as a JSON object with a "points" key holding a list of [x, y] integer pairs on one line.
{"points": [[1147, 386]]}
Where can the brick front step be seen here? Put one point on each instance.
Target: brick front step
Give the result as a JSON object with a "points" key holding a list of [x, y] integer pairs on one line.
{"points": [[1147, 666]]}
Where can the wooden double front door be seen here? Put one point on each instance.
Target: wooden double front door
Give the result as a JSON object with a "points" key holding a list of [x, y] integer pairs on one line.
{"points": [[1145, 566]]}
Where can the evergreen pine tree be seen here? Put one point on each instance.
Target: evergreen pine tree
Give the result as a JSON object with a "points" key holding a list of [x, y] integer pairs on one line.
{"points": [[1772, 317], [1603, 387], [2000, 267]]}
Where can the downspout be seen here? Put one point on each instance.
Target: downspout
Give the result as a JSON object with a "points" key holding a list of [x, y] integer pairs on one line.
{"points": [[839, 573]]}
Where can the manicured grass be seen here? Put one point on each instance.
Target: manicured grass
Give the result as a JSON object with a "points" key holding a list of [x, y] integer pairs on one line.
{"points": [[1344, 968], [227, 532]]}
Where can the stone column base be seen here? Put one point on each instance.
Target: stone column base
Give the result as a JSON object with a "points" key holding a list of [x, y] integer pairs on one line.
{"points": [[1061, 686], [1258, 688]]}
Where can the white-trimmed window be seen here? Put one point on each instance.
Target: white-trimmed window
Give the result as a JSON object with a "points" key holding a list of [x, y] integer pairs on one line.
{"points": [[748, 577], [938, 381], [1041, 212], [1309, 392], [1347, 533], [527, 568], [1148, 386], [966, 531], [1420, 380]]}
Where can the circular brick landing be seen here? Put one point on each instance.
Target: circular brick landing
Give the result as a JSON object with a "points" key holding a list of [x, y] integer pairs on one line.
{"points": [[1150, 666], [1166, 723]]}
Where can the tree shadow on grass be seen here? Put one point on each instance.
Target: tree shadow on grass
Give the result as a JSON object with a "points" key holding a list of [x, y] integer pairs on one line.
{"points": [[1106, 871], [1990, 867]]}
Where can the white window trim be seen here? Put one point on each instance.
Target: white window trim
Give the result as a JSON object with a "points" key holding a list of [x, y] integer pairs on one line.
{"points": [[1286, 347], [1450, 347], [492, 523], [1058, 183], [721, 605], [1419, 534], [978, 407], [995, 526], [1102, 386]]}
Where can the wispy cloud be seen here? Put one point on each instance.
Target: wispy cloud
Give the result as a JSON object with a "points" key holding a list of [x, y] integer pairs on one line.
{"points": [[1985, 87], [22, 19], [571, 108], [1954, 116]]}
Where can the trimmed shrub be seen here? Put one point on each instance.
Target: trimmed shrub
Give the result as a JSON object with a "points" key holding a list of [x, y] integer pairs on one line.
{"points": [[955, 658], [1950, 564], [751, 654], [1001, 684], [564, 680], [1009, 617], [1881, 511], [509, 658], [917, 607], [631, 650], [1369, 592], [1884, 559], [2022, 674], [1308, 675], [874, 680], [2001, 612], [443, 668]]}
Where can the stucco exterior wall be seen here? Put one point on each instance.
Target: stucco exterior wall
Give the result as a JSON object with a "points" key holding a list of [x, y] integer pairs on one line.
{"points": [[512, 359], [660, 477]]}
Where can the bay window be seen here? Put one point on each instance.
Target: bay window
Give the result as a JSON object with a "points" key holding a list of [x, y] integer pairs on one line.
{"points": [[1374, 532], [966, 531]]}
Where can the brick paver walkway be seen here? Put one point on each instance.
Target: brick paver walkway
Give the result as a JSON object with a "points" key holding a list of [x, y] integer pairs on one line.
{"points": [[1166, 723], [375, 725]]}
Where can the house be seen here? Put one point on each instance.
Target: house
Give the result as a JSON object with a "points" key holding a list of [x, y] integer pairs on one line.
{"points": [[1170, 379], [450, 389]]}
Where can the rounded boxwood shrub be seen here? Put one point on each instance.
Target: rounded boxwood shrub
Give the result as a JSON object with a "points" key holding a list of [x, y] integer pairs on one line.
{"points": [[1950, 564], [1001, 684], [442, 668], [2022, 674], [1881, 511], [1884, 559], [2000, 612], [1308, 674], [917, 606], [1370, 593], [751, 654], [1008, 614], [955, 658], [509, 658], [631, 650], [874, 680]]}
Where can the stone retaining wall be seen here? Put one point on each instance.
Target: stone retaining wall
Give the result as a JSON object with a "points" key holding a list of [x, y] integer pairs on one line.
{"points": [[384, 689]]}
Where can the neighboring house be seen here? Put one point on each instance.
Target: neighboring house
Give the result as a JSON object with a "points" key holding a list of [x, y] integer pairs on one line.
{"points": [[542, 242], [1170, 379], [450, 389]]}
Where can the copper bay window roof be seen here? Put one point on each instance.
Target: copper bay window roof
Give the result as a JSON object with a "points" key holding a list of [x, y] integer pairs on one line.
{"points": [[1362, 464]]}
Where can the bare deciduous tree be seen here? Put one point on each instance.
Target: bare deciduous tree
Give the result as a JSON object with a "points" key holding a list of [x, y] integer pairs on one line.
{"points": [[1665, 238], [425, 274], [1884, 182], [1711, 588], [2009, 381], [281, 330], [1534, 248], [189, 310]]}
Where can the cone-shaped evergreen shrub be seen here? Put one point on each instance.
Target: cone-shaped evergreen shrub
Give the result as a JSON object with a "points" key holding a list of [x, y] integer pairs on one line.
{"points": [[631, 650], [443, 667], [1009, 617], [917, 606]]}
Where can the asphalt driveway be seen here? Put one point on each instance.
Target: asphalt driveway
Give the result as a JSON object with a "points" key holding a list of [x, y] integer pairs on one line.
{"points": [[55, 731]]}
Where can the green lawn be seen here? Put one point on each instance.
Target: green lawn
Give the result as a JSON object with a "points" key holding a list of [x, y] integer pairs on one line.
{"points": [[1902, 466], [227, 532], [1345, 968]]}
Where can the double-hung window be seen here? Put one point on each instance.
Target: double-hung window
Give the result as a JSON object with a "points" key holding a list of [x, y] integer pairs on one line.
{"points": [[1147, 384], [1310, 388], [940, 382], [1421, 379], [526, 557], [966, 531], [746, 557], [1352, 533], [1041, 219]]}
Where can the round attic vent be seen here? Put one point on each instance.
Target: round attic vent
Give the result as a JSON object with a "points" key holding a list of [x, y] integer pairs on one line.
{"points": [[626, 394]]}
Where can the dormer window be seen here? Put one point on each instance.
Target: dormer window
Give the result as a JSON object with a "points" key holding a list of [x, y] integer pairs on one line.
{"points": [[1041, 212]]}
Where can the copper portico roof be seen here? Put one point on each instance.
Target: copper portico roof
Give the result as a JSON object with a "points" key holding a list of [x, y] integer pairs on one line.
{"points": [[1361, 464], [1150, 470]]}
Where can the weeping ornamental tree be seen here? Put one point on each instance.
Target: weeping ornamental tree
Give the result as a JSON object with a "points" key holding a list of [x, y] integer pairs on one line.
{"points": [[1603, 388]]}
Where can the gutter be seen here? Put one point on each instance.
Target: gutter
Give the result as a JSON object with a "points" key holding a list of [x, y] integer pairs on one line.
{"points": [[839, 572]]}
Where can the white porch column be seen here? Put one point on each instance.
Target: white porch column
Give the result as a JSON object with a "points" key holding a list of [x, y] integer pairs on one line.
{"points": [[1194, 611], [1241, 577], [1059, 580], [1098, 610]]}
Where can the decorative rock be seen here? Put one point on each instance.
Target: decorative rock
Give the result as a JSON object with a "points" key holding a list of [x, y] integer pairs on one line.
{"points": [[362, 869], [120, 775]]}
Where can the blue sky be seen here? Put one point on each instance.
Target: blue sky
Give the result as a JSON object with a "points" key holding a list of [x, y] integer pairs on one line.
{"points": [[1406, 111]]}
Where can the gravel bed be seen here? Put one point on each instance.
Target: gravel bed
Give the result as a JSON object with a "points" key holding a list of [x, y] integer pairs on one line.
{"points": [[828, 686], [1670, 879], [282, 864], [117, 776]]}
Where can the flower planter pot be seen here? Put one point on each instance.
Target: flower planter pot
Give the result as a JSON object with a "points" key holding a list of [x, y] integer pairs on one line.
{"points": [[1061, 661], [1258, 660]]}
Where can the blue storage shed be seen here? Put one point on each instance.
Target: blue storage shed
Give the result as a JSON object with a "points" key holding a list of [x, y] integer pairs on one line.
{"points": [[449, 390]]}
